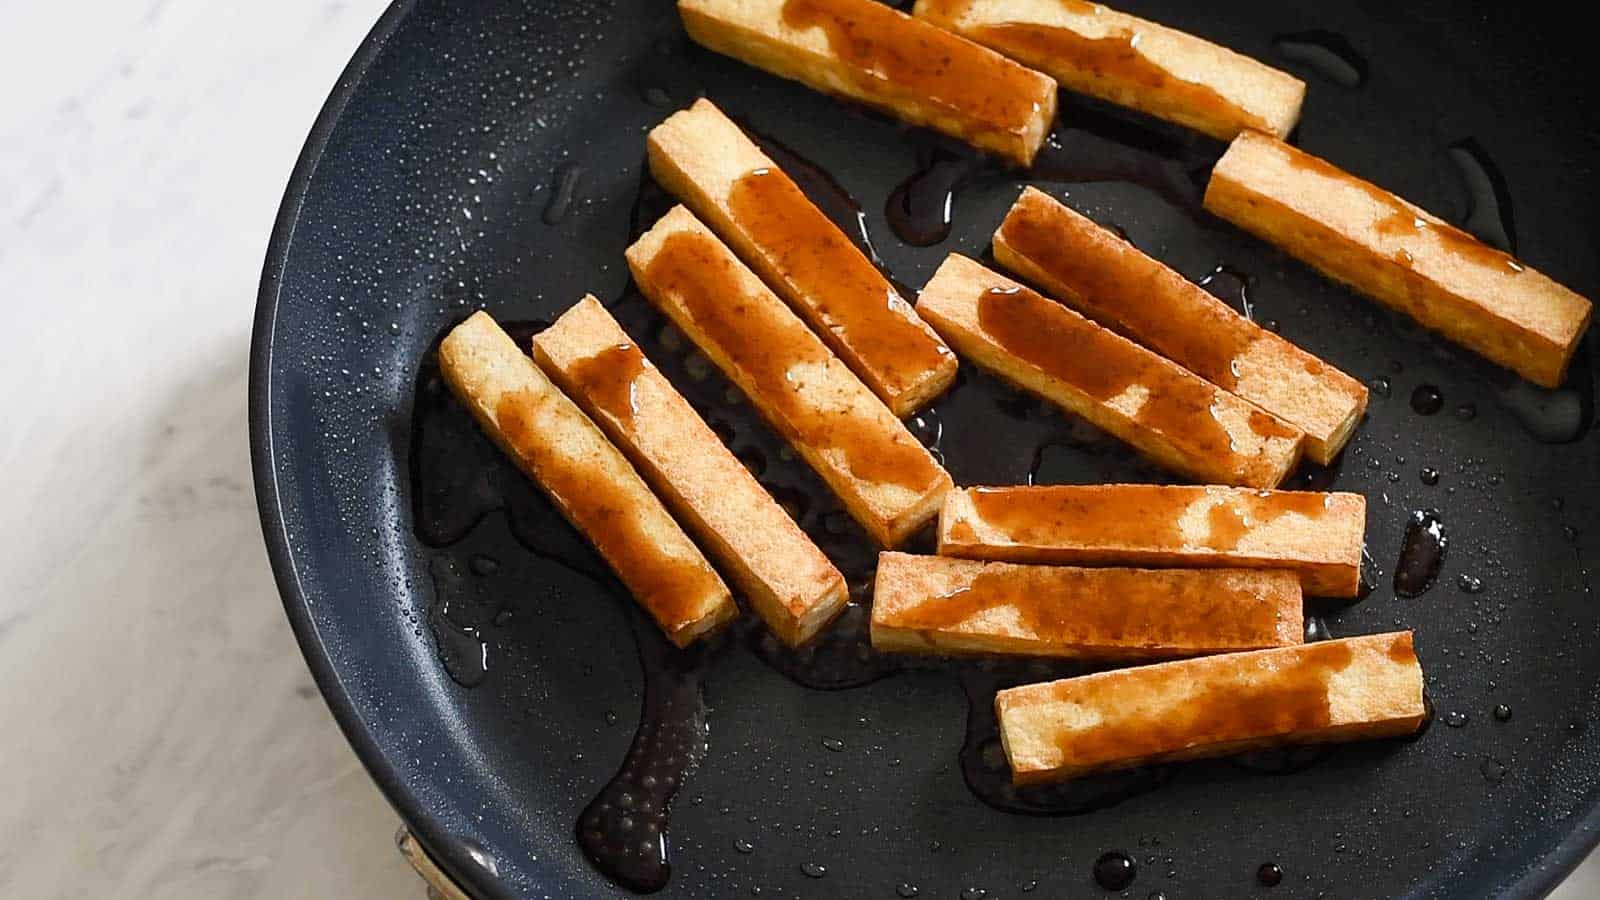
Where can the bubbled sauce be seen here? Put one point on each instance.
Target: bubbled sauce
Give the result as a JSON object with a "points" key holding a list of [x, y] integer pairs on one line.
{"points": [[699, 274], [859, 308]]}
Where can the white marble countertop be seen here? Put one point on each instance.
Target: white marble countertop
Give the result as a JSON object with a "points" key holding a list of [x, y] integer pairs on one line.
{"points": [[162, 735]]}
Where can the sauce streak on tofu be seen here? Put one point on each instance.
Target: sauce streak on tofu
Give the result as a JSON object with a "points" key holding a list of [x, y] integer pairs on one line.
{"points": [[1290, 697], [1044, 334], [1401, 220], [1161, 318], [1066, 605], [695, 269], [607, 378], [1113, 57], [931, 63], [811, 251], [671, 587]]}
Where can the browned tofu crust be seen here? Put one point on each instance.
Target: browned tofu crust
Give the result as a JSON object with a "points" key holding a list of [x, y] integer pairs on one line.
{"points": [[588, 479], [1109, 280], [1095, 50], [703, 158], [1317, 537], [788, 581], [874, 54], [888, 481], [932, 604], [1401, 256], [1165, 411], [1342, 690]]}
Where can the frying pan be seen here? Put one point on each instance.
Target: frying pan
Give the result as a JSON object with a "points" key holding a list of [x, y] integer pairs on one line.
{"points": [[490, 154]]}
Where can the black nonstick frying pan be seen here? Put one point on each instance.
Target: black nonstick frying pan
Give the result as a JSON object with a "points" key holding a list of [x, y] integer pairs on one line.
{"points": [[490, 674]]}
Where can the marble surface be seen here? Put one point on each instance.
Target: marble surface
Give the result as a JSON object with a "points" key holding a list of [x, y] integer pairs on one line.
{"points": [[162, 735]]}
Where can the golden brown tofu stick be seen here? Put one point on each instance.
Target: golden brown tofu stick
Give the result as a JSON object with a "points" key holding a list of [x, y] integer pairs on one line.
{"points": [[700, 155], [1129, 61], [1344, 690], [1107, 279], [1317, 537], [871, 53], [786, 578], [1401, 256], [1166, 412], [884, 477], [930, 604], [588, 479]]}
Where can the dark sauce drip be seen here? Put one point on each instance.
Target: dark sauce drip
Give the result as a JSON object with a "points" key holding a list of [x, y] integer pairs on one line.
{"points": [[1421, 554], [1269, 874], [1488, 217], [838, 659], [1104, 143], [1232, 287], [623, 831], [920, 207], [1327, 53], [460, 616], [1426, 400], [825, 191], [983, 761], [1115, 871], [563, 190]]}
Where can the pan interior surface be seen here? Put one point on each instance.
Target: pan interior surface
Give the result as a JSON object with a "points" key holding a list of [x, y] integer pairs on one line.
{"points": [[490, 155]]}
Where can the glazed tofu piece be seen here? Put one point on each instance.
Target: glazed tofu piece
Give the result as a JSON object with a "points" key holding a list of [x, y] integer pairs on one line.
{"points": [[703, 158], [1401, 256], [931, 604], [1131, 62], [1169, 414], [1316, 537], [1107, 279], [788, 581], [587, 478], [1342, 690], [888, 481], [876, 55]]}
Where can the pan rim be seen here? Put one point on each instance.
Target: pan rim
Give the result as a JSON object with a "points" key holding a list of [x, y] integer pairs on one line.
{"points": [[1542, 877]]}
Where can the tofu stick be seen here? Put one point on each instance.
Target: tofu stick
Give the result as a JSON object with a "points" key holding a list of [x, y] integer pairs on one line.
{"points": [[888, 481], [1131, 62], [788, 581], [931, 604], [1107, 279], [588, 479], [1401, 256], [701, 156], [874, 54], [1169, 414], [1316, 537], [1343, 690]]}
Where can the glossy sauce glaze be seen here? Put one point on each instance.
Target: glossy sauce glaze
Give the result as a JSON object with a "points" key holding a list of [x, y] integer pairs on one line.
{"points": [[698, 272], [607, 379], [1127, 290], [1155, 612], [1074, 350], [861, 309], [889, 48], [1110, 65]]}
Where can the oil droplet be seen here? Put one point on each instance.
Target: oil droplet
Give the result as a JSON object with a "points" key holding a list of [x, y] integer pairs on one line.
{"points": [[1327, 53], [1426, 400], [1157, 895], [1456, 719], [744, 846], [1317, 630], [1421, 554], [483, 565], [1269, 874], [1466, 412], [1029, 887], [833, 744], [906, 891], [1469, 584], [1381, 386], [563, 188], [1429, 475], [1115, 870], [974, 893], [813, 870], [1493, 770]]}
